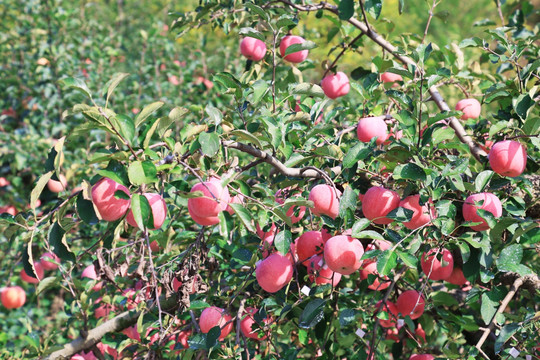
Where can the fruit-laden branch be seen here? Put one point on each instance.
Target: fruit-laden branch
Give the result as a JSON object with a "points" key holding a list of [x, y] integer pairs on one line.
{"points": [[454, 123], [308, 172], [116, 324]]}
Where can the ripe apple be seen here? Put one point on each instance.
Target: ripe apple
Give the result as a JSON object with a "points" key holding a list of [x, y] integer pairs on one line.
{"points": [[320, 273], [296, 57], [436, 269], [253, 49], [183, 338], [109, 207], [30, 278], [13, 297], [274, 272], [309, 244], [370, 268], [422, 214], [213, 316], [420, 333], [56, 186], [4, 182], [342, 253], [508, 158], [392, 311], [370, 127], [246, 325], [336, 85], [490, 203], [159, 210], [410, 303], [291, 210], [421, 357], [392, 334], [214, 200], [378, 202], [457, 277], [90, 273], [267, 237], [388, 77], [325, 200], [10, 209], [47, 261], [470, 108]]}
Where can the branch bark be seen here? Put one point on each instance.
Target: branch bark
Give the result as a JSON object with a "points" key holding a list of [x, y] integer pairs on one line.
{"points": [[454, 123]]}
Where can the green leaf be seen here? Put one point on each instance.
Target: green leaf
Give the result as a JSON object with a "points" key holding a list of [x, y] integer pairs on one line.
{"points": [[86, 211], [77, 84], [442, 298], [142, 172], [282, 241], [346, 316], [142, 212], [346, 9], [386, 262], [147, 111], [209, 143], [308, 89], [408, 259], [506, 333], [113, 83], [509, 257], [359, 226], [368, 234], [401, 97], [198, 304], [401, 214], [251, 32], [46, 283], [116, 171], [347, 201], [359, 152], [258, 10], [373, 8], [215, 115], [57, 240], [245, 135], [124, 125], [313, 313], [286, 21], [482, 179], [410, 171], [244, 216], [38, 189], [306, 45], [401, 6], [522, 104], [488, 308]]}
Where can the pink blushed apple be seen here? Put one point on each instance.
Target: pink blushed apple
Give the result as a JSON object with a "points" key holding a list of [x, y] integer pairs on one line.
{"points": [[274, 272], [343, 253], [214, 316], [253, 49], [109, 207], [434, 268], [508, 158], [336, 85], [490, 202], [325, 200], [158, 207], [378, 202], [470, 108], [295, 57], [372, 127], [422, 215]]}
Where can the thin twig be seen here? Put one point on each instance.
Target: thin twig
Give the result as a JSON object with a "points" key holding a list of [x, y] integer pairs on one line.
{"points": [[345, 48], [435, 3]]}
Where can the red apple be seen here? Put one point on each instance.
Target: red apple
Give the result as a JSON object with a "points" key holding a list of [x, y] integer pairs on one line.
{"points": [[388, 77], [490, 203], [436, 269], [309, 244], [10, 209], [370, 268], [246, 325], [422, 357], [4, 182], [335, 86], [47, 261], [90, 273], [343, 253], [296, 57], [370, 127], [291, 210], [391, 309], [159, 210], [214, 200], [457, 277], [214, 316], [108, 206], [253, 49], [30, 278], [13, 297], [274, 272], [378, 202], [470, 108], [325, 200], [320, 273], [508, 158], [420, 333], [422, 214], [410, 303]]}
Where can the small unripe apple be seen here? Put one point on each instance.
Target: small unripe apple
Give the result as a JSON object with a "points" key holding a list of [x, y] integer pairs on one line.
{"points": [[378, 202], [274, 272], [410, 303], [508, 158], [391, 309], [343, 253], [421, 215], [457, 277], [335, 86], [470, 108], [56, 186], [370, 268], [436, 269], [388, 77], [253, 49], [30, 278], [421, 357], [320, 273], [490, 203], [13, 297], [246, 325], [47, 261], [370, 127], [109, 207], [309, 244], [213, 316], [325, 200], [295, 57], [159, 210]]}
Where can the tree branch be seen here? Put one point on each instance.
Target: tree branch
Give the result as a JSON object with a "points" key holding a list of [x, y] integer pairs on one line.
{"points": [[454, 123]]}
